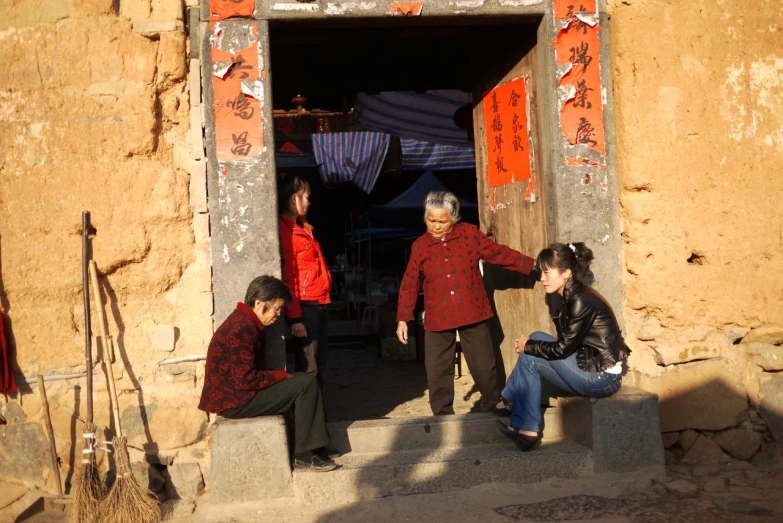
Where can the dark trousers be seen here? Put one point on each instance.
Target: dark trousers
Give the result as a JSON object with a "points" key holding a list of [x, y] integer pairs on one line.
{"points": [[300, 392], [439, 348], [311, 352]]}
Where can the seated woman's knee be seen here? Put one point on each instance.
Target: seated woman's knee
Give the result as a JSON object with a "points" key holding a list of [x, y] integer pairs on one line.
{"points": [[525, 362], [541, 336]]}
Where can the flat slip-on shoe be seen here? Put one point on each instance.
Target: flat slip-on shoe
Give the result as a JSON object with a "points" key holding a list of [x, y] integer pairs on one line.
{"points": [[500, 412], [522, 441], [495, 410]]}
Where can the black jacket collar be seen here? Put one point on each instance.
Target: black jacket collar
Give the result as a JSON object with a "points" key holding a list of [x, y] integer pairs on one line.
{"points": [[572, 287]]}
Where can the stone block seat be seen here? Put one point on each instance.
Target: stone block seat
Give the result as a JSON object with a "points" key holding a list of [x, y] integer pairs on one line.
{"points": [[623, 431], [384, 457], [249, 459]]}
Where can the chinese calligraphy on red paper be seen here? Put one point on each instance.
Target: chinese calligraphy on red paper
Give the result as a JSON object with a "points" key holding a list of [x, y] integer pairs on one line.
{"points": [[238, 132], [508, 139], [577, 45]]}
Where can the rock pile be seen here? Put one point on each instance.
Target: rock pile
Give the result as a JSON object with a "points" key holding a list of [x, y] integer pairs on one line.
{"points": [[719, 390]]}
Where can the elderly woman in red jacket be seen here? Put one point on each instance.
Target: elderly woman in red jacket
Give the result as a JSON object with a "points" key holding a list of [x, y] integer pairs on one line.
{"points": [[445, 261], [304, 271], [239, 384]]}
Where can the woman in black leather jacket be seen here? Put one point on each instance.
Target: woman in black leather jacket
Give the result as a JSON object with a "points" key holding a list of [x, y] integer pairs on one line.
{"points": [[585, 359]]}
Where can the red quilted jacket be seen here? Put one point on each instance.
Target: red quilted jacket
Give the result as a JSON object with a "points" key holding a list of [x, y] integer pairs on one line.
{"points": [[303, 267], [448, 270], [236, 363]]}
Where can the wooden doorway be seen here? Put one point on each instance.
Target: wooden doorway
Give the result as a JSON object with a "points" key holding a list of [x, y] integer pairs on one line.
{"points": [[512, 213]]}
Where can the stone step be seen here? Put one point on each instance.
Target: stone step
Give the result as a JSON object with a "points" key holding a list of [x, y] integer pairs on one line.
{"points": [[376, 475], [427, 433]]}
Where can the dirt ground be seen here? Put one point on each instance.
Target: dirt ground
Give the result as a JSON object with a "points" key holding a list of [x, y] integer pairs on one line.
{"points": [[355, 376]]}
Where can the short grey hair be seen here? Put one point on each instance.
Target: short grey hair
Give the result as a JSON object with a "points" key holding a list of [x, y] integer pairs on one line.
{"points": [[442, 200]]}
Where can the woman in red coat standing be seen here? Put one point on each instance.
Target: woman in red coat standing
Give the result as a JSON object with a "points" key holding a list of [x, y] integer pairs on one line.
{"points": [[445, 261], [304, 271]]}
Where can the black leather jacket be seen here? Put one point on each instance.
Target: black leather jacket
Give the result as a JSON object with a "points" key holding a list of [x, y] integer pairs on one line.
{"points": [[586, 325]]}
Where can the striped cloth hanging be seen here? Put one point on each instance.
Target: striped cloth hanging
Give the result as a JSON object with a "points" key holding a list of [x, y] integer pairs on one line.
{"points": [[425, 116], [351, 157], [418, 155]]}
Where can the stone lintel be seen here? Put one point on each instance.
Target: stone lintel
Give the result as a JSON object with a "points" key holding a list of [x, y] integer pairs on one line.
{"points": [[324, 9]]}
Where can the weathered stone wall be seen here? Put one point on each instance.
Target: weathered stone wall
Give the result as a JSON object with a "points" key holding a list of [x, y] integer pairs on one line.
{"points": [[95, 113], [698, 90]]}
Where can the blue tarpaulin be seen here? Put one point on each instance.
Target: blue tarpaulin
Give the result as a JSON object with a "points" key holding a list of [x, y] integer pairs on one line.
{"points": [[409, 206]]}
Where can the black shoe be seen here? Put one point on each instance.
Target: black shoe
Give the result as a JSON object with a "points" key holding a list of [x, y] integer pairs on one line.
{"points": [[522, 441], [314, 462], [496, 411], [500, 412]]}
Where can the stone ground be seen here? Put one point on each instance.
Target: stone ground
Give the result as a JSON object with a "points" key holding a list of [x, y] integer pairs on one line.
{"points": [[738, 492]]}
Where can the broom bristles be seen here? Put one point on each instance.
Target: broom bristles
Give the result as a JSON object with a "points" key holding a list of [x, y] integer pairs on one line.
{"points": [[88, 490], [127, 501]]}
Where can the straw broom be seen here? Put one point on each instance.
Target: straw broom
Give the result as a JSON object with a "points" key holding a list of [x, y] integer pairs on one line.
{"points": [[127, 501], [88, 490]]}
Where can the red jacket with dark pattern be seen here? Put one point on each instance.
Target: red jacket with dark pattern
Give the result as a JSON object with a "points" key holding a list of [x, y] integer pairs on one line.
{"points": [[236, 363], [448, 268]]}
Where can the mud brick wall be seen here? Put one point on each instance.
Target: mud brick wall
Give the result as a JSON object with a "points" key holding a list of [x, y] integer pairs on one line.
{"points": [[95, 111]]}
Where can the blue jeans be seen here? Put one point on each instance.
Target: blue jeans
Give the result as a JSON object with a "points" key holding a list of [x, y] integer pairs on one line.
{"points": [[523, 388]]}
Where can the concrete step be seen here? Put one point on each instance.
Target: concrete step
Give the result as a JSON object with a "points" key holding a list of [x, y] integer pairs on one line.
{"points": [[428, 433], [376, 475]]}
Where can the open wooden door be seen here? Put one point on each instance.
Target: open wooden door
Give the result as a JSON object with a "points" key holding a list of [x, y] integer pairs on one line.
{"points": [[510, 185]]}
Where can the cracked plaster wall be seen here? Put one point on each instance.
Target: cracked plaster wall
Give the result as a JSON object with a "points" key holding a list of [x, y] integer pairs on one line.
{"points": [[699, 116], [698, 90], [96, 116]]}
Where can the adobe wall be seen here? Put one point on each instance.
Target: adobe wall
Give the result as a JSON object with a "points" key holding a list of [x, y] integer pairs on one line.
{"points": [[96, 115], [699, 119]]}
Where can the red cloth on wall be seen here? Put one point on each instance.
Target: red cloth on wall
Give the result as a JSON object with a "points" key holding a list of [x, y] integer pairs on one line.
{"points": [[7, 382]]}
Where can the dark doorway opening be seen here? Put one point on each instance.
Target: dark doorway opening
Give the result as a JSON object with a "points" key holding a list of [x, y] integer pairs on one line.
{"points": [[317, 69]]}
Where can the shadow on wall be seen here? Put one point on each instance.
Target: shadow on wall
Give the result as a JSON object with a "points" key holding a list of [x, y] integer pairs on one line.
{"points": [[150, 447], [447, 461], [26, 389]]}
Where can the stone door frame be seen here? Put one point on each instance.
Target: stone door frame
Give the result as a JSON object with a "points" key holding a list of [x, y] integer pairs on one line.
{"points": [[581, 185]]}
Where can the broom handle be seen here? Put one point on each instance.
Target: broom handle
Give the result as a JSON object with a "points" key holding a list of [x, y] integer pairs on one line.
{"points": [[50, 433], [107, 342], [86, 292]]}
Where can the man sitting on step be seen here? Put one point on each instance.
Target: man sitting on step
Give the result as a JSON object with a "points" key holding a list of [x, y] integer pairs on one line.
{"points": [[239, 384]]}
